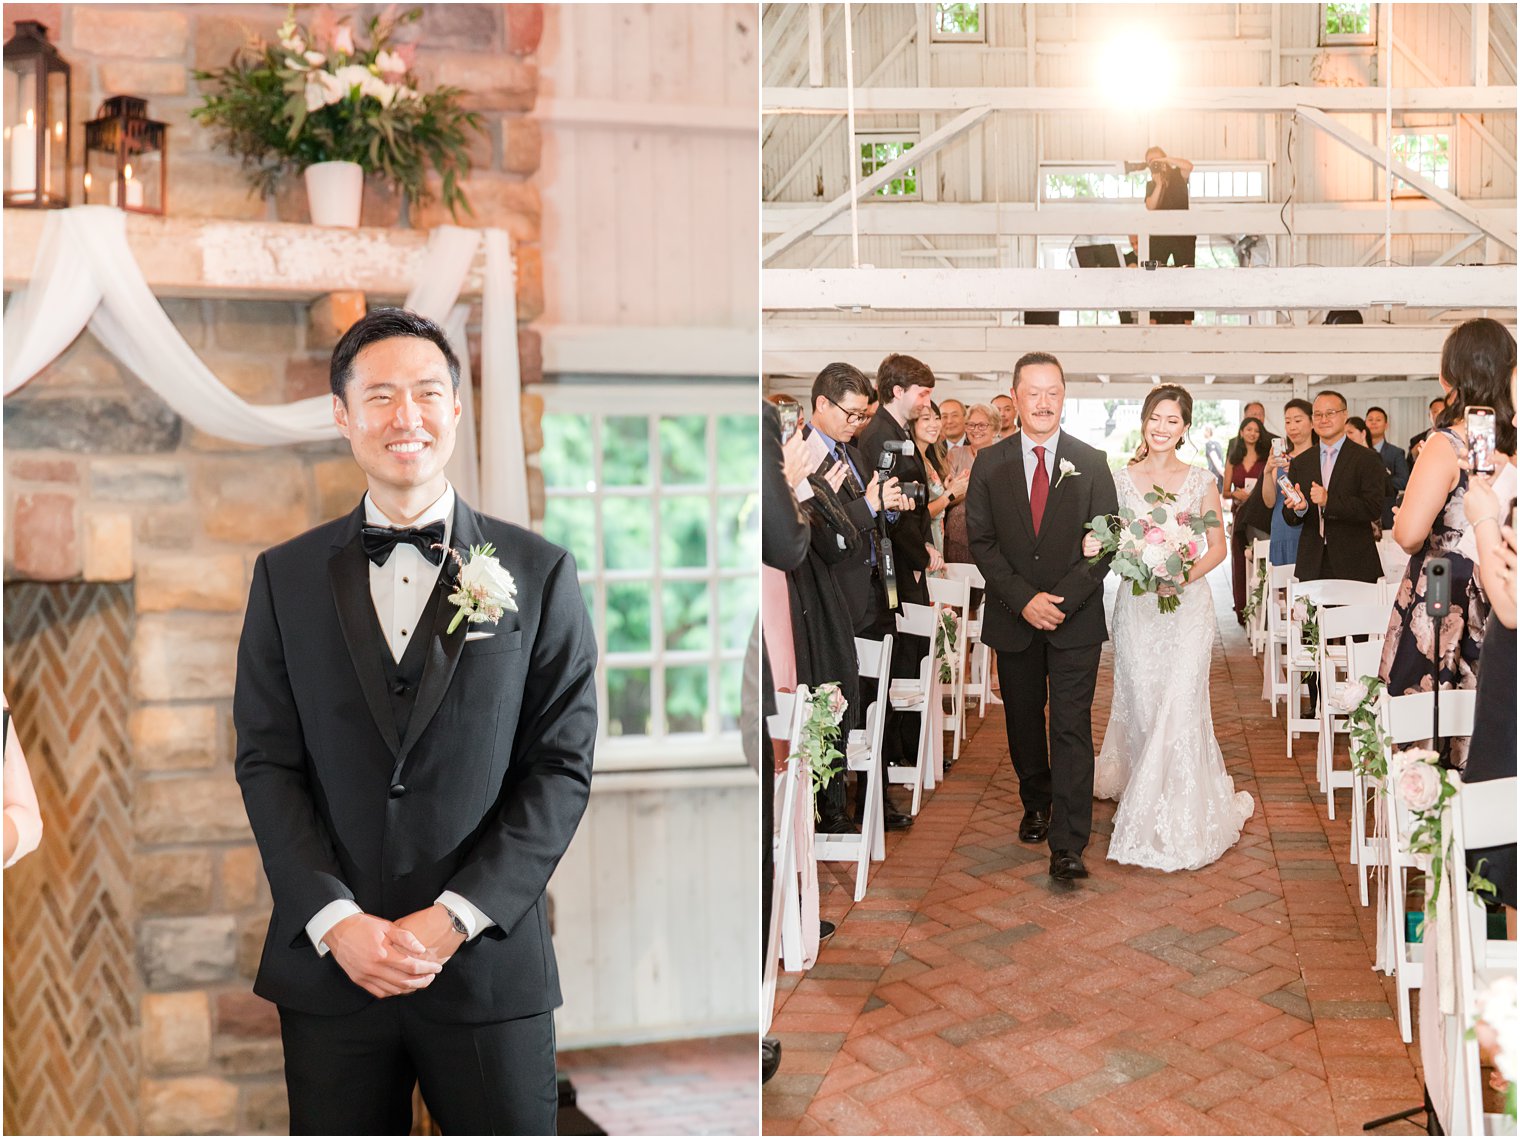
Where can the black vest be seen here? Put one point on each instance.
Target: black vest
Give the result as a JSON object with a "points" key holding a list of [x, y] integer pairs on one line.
{"points": [[403, 676]]}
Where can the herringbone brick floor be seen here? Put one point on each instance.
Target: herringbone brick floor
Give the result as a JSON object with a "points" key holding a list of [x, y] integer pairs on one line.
{"points": [[968, 994], [678, 1087]]}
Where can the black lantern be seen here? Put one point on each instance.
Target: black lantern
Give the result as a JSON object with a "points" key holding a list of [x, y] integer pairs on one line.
{"points": [[125, 156], [36, 155]]}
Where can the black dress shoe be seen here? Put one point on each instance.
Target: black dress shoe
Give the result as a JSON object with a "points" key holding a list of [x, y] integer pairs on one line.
{"points": [[1065, 866], [897, 821], [1034, 826], [770, 1057], [825, 929], [835, 824]]}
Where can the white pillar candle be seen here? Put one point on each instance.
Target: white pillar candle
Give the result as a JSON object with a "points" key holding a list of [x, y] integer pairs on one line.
{"points": [[134, 191], [23, 156]]}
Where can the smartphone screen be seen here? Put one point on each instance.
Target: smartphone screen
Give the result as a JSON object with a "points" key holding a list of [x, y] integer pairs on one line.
{"points": [[790, 413], [1480, 438]]}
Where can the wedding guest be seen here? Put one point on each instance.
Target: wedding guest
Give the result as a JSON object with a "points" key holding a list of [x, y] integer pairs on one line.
{"points": [[981, 432], [1476, 361], [1008, 415], [1213, 457], [1356, 430], [23, 822], [1253, 410], [953, 430], [1340, 486], [1393, 459], [1298, 426], [1437, 409], [943, 489], [1243, 469], [1490, 509]]}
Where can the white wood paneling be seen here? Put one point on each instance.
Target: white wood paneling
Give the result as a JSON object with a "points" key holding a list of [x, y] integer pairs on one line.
{"points": [[649, 202], [656, 910]]}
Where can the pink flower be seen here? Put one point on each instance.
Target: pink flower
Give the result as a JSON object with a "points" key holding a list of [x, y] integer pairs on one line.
{"points": [[343, 40], [1183, 518], [1155, 536], [1419, 786]]}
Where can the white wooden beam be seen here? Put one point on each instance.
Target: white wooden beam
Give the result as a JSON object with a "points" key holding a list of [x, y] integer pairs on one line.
{"points": [[1458, 249], [645, 116], [1286, 99], [649, 351], [1344, 134], [1473, 123], [951, 130], [1480, 45], [815, 45], [1491, 286], [998, 219]]}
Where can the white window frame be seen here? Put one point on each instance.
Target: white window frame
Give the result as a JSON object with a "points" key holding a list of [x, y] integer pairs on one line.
{"points": [[658, 750], [1197, 182], [977, 37], [1343, 39], [874, 138], [1402, 189]]}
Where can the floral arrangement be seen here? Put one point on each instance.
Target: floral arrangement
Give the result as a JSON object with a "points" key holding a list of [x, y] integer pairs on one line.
{"points": [[1498, 1030], [316, 95], [946, 637], [1424, 787], [484, 590], [1258, 594], [818, 747], [1306, 615], [1358, 700], [1153, 548]]}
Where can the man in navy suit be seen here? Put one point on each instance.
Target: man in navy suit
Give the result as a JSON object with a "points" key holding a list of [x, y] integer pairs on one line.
{"points": [[1393, 461]]}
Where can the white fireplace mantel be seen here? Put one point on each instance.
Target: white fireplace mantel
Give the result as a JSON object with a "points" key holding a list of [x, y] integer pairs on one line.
{"points": [[242, 260]]}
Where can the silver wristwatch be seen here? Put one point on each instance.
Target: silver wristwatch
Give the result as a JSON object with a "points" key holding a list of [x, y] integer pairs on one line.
{"points": [[459, 926]]}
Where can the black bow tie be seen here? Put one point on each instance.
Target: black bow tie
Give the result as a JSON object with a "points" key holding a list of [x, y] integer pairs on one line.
{"points": [[380, 540]]}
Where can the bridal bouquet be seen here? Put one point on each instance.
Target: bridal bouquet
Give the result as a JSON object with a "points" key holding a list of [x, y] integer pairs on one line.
{"points": [[1155, 547]]}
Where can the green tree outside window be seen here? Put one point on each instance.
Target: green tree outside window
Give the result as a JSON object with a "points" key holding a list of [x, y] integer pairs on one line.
{"points": [[1348, 19], [875, 155], [958, 19]]}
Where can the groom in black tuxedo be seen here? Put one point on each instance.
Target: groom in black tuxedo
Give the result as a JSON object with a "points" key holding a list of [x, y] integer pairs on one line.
{"points": [[412, 787], [1030, 498]]}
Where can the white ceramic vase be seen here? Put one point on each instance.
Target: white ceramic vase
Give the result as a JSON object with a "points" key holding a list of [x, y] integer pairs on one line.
{"points": [[334, 193]]}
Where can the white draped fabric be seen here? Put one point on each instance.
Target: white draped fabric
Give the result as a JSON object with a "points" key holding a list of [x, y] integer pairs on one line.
{"points": [[85, 275]]}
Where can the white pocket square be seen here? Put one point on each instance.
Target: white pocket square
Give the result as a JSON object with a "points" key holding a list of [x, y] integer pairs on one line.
{"points": [[468, 637]]}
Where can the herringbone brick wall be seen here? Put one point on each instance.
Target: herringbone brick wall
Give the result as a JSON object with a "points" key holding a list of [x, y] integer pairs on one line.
{"points": [[71, 982]]}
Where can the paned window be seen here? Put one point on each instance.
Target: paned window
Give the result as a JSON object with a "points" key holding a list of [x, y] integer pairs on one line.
{"points": [[1347, 24], [959, 23], [1426, 152], [653, 488], [1235, 182], [877, 151]]}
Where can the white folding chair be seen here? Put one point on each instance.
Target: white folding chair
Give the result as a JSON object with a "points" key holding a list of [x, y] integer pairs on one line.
{"points": [[1406, 720], [955, 594], [978, 684], [1300, 661], [1274, 667], [1337, 625], [1482, 815], [1260, 565], [921, 695], [863, 753], [786, 895], [1362, 660]]}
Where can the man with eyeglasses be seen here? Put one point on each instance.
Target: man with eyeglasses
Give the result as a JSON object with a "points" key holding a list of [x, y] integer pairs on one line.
{"points": [[1343, 491]]}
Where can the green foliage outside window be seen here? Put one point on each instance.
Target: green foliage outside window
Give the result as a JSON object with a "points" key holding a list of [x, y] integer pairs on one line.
{"points": [[958, 19], [1094, 185], [1428, 154], [1348, 19], [875, 155]]}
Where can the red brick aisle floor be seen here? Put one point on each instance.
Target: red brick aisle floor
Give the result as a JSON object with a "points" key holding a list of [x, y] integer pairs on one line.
{"points": [[968, 994], [683, 1087]]}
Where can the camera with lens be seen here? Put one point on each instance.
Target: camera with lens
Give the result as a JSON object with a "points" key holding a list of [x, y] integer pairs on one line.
{"points": [[886, 463]]}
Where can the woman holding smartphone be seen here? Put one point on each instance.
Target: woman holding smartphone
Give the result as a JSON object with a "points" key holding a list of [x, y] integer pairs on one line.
{"points": [[1476, 362]]}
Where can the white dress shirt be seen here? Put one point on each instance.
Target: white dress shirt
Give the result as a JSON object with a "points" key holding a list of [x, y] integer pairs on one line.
{"points": [[400, 590], [1030, 460]]}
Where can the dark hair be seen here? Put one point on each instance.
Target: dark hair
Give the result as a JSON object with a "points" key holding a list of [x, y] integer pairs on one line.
{"points": [[1258, 403], [839, 380], [1477, 360], [934, 453], [898, 372], [1361, 425], [385, 324], [1336, 394], [1029, 358], [1440, 400], [1237, 452], [1302, 405], [1377, 409], [1160, 395]]}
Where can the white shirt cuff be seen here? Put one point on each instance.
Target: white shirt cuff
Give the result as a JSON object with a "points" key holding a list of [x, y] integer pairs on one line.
{"points": [[475, 921], [327, 917]]}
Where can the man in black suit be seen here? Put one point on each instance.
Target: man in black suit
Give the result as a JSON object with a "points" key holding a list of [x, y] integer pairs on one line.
{"points": [[412, 779], [904, 386], [1437, 408], [1393, 461], [1030, 499], [1344, 498]]}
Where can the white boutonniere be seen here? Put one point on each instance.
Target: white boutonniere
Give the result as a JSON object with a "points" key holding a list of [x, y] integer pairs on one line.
{"points": [[484, 590], [1067, 468]]}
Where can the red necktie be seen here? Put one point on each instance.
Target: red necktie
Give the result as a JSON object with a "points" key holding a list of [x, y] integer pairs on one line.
{"points": [[1039, 489]]}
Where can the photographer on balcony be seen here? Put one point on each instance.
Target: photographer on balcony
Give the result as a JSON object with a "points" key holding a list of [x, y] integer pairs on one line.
{"points": [[1168, 190]]}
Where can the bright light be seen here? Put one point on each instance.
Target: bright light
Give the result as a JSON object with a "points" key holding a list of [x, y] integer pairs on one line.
{"points": [[1136, 71]]}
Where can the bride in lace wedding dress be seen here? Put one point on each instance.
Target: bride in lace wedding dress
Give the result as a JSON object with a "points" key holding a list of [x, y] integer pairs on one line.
{"points": [[1178, 807]]}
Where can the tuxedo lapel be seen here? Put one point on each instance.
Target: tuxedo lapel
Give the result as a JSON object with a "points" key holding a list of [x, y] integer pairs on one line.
{"points": [[1021, 489], [348, 571], [443, 648]]}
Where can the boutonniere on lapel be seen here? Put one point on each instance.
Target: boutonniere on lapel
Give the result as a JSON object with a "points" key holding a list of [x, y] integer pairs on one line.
{"points": [[1067, 468], [483, 590]]}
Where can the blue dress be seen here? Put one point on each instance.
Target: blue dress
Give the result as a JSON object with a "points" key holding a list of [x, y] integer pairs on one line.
{"points": [[1284, 551]]}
